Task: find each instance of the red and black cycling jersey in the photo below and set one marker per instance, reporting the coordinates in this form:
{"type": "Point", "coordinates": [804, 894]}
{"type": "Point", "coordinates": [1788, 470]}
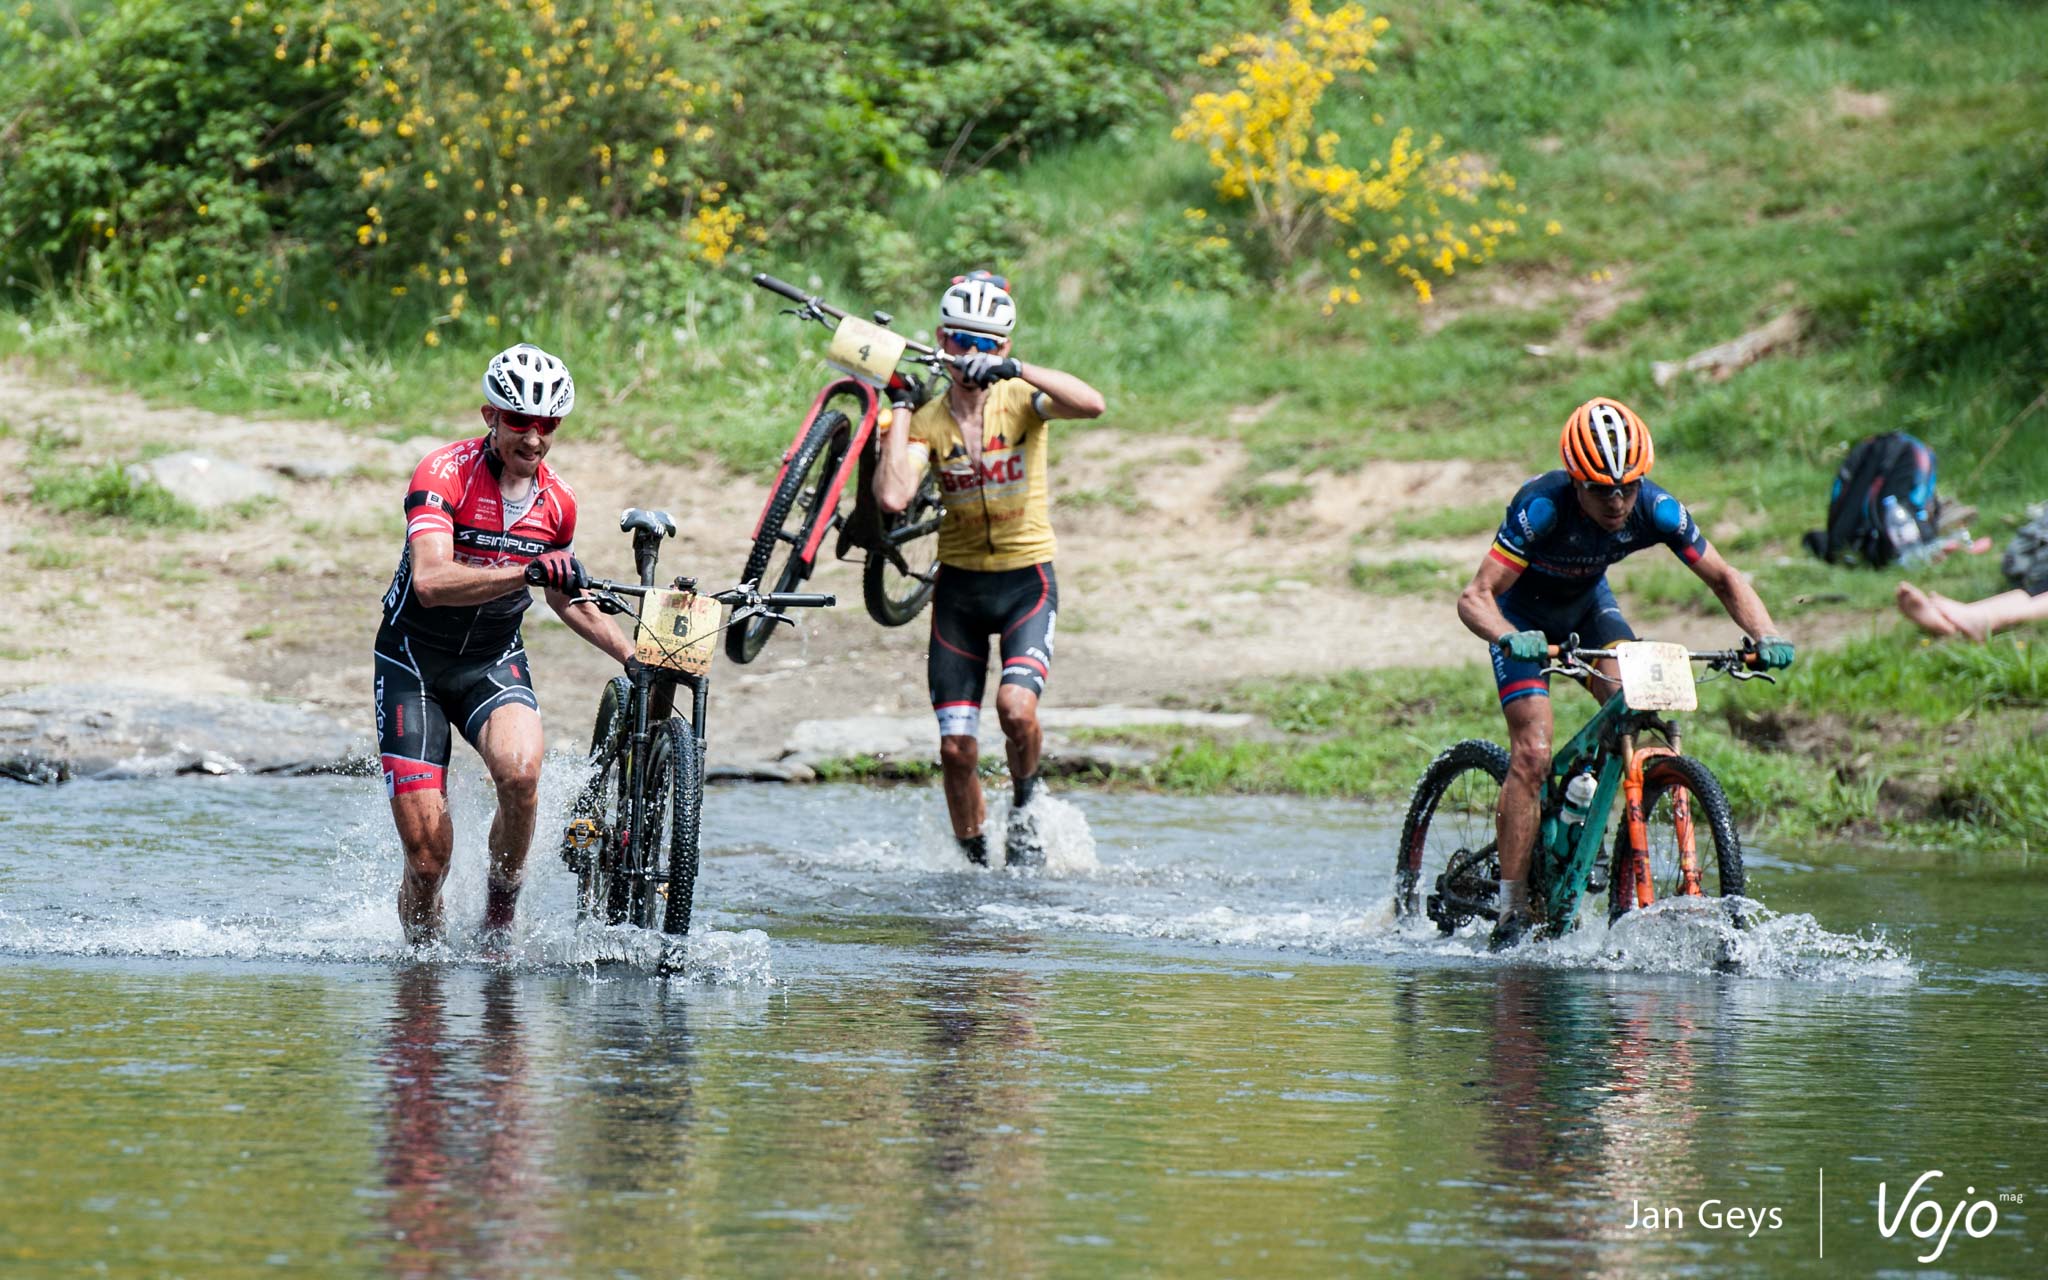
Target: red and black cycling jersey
{"type": "Point", "coordinates": [455, 491]}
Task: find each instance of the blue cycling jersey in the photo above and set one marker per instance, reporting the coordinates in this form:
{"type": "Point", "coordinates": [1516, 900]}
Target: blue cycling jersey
{"type": "Point", "coordinates": [1562, 554]}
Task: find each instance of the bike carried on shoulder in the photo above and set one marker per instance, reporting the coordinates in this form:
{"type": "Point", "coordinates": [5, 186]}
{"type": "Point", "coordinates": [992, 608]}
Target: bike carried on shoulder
{"type": "Point", "coordinates": [1447, 868]}
{"type": "Point", "coordinates": [633, 828]}
{"type": "Point", "coordinates": [836, 442]}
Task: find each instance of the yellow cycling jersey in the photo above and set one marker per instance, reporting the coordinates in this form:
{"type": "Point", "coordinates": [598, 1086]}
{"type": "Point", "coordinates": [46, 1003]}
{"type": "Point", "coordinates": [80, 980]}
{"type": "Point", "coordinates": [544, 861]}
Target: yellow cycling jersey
{"type": "Point", "coordinates": [996, 512]}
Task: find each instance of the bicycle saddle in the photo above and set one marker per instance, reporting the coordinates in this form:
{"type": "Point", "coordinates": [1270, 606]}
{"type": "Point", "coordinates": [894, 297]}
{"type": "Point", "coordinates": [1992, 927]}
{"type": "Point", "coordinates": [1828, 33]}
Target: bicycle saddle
{"type": "Point", "coordinates": [658, 523]}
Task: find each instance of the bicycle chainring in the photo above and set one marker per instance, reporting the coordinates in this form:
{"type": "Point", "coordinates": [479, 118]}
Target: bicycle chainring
{"type": "Point", "coordinates": [1469, 884]}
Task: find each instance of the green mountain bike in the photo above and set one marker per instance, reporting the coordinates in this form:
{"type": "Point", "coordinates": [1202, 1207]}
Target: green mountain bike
{"type": "Point", "coordinates": [1447, 868]}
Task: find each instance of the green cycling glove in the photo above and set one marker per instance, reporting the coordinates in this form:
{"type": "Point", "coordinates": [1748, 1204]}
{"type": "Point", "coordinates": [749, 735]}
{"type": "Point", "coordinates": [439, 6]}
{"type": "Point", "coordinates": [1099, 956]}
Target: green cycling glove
{"type": "Point", "coordinates": [1531, 646]}
{"type": "Point", "coordinates": [1775, 652]}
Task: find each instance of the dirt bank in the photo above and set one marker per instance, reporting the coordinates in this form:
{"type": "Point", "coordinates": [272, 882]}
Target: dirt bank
{"type": "Point", "coordinates": [1172, 587]}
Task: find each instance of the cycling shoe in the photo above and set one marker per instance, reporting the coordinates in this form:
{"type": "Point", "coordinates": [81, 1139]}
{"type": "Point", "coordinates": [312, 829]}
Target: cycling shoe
{"type": "Point", "coordinates": [1023, 843]}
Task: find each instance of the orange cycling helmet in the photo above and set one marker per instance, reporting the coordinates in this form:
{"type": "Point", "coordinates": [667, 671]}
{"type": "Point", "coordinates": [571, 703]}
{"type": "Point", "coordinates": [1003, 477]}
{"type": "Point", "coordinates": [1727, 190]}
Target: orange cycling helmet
{"type": "Point", "coordinates": [1604, 442]}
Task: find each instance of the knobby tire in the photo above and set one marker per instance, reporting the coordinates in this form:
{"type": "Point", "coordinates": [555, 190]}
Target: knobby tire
{"type": "Point", "coordinates": [600, 800]}
{"type": "Point", "coordinates": [1413, 884]}
{"type": "Point", "coordinates": [643, 900]}
{"type": "Point", "coordinates": [1712, 822]}
{"type": "Point", "coordinates": [678, 864]}
{"type": "Point", "coordinates": [827, 440]}
{"type": "Point", "coordinates": [922, 556]}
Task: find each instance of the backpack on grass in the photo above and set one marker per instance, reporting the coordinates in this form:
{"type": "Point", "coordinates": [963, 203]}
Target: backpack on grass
{"type": "Point", "coordinates": [2026, 557]}
{"type": "Point", "coordinates": [1882, 504]}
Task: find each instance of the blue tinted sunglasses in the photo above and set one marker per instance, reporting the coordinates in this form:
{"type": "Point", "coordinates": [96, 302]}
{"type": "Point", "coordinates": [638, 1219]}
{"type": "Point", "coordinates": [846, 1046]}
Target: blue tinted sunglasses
{"type": "Point", "coordinates": [962, 341]}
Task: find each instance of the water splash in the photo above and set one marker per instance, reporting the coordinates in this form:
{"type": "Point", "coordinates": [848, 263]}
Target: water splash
{"type": "Point", "coordinates": [1695, 935]}
{"type": "Point", "coordinates": [1069, 844]}
{"type": "Point", "coordinates": [244, 869]}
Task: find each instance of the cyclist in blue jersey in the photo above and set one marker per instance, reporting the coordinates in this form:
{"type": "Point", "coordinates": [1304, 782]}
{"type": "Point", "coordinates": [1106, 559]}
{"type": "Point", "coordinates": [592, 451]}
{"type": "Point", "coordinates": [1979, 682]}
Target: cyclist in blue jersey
{"type": "Point", "coordinates": [1545, 579]}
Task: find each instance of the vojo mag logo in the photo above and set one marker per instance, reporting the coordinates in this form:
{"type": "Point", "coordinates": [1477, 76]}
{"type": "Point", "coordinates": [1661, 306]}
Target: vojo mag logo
{"type": "Point", "coordinates": [1921, 1215]}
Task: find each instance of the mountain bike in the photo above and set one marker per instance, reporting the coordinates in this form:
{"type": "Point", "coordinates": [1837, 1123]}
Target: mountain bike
{"type": "Point", "coordinates": [633, 828]}
{"type": "Point", "coordinates": [1447, 868]}
{"type": "Point", "coordinates": [835, 442]}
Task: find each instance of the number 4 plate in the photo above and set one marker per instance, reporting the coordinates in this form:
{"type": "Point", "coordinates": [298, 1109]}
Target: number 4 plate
{"type": "Point", "coordinates": [867, 351]}
{"type": "Point", "coordinates": [1656, 677]}
{"type": "Point", "coordinates": [677, 630]}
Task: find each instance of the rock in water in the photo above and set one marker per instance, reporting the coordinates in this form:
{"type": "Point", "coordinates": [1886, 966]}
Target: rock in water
{"type": "Point", "coordinates": [60, 732]}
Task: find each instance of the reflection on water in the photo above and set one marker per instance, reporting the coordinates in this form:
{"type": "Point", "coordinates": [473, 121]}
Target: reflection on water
{"type": "Point", "coordinates": [1204, 1053]}
{"type": "Point", "coordinates": [464, 1162]}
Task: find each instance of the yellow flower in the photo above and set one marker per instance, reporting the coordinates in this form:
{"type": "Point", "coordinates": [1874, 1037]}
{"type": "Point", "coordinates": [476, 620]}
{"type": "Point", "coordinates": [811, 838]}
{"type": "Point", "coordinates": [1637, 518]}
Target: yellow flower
{"type": "Point", "coordinates": [432, 338]}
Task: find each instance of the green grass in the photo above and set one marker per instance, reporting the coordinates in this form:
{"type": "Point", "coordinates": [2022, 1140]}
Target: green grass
{"type": "Point", "coordinates": [43, 555]}
{"type": "Point", "coordinates": [868, 768]}
{"type": "Point", "coordinates": [1922, 743]}
{"type": "Point", "coordinates": [1450, 522]}
{"type": "Point", "coordinates": [1704, 181]}
{"type": "Point", "coordinates": [1422, 576]}
{"type": "Point", "coordinates": [1701, 161]}
{"type": "Point", "coordinates": [108, 490]}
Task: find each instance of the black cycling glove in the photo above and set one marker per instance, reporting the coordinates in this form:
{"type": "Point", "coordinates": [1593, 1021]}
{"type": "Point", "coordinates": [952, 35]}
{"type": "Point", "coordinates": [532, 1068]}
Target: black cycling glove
{"type": "Point", "coordinates": [982, 370]}
{"type": "Point", "coordinates": [558, 571]}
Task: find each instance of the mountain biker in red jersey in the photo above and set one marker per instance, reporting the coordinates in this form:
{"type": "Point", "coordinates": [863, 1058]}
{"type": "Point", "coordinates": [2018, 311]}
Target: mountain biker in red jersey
{"type": "Point", "coordinates": [484, 518]}
{"type": "Point", "coordinates": [1546, 579]}
{"type": "Point", "coordinates": [986, 436]}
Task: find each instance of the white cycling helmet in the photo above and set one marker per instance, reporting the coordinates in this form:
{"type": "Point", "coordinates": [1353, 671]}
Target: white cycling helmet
{"type": "Point", "coordinates": [525, 379]}
{"type": "Point", "coordinates": [978, 302]}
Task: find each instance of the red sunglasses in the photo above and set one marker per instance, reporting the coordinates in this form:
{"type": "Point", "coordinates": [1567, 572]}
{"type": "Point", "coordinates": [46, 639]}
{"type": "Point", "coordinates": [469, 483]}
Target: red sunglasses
{"type": "Point", "coordinates": [525, 422]}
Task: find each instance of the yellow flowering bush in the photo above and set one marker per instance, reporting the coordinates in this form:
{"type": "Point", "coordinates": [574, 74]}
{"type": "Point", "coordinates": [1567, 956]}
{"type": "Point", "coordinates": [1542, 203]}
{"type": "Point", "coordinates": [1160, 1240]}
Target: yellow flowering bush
{"type": "Point", "coordinates": [1413, 209]}
{"type": "Point", "coordinates": [496, 139]}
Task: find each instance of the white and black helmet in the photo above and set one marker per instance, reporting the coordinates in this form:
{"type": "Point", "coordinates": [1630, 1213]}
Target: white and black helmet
{"type": "Point", "coordinates": [525, 379]}
{"type": "Point", "coordinates": [978, 302]}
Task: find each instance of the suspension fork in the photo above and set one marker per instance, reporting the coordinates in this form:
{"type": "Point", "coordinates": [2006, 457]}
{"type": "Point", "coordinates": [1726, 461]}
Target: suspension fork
{"type": "Point", "coordinates": [1639, 827]}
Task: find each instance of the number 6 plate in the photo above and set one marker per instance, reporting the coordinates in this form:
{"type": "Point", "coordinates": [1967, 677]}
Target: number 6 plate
{"type": "Point", "coordinates": [867, 351]}
{"type": "Point", "coordinates": [676, 632]}
{"type": "Point", "coordinates": [1656, 677]}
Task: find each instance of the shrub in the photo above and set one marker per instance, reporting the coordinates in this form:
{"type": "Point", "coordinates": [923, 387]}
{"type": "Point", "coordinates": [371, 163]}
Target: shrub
{"type": "Point", "coordinates": [166, 140]}
{"type": "Point", "coordinates": [243, 156]}
{"type": "Point", "coordinates": [1262, 138]}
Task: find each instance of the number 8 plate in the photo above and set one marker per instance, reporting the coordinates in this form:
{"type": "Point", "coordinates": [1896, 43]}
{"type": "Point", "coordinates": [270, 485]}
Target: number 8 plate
{"type": "Point", "coordinates": [1656, 677]}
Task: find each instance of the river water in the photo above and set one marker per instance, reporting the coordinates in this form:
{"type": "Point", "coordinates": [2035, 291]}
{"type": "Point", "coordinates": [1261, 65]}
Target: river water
{"type": "Point", "coordinates": [1195, 1044]}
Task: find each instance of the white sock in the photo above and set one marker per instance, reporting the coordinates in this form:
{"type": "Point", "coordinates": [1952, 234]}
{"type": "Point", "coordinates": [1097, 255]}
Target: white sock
{"type": "Point", "coordinates": [1514, 897]}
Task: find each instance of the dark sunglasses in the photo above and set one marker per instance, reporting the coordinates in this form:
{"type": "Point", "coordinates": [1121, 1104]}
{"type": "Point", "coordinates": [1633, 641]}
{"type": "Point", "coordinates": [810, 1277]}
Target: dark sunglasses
{"type": "Point", "coordinates": [1610, 492]}
{"type": "Point", "coordinates": [525, 422]}
{"type": "Point", "coordinates": [961, 341]}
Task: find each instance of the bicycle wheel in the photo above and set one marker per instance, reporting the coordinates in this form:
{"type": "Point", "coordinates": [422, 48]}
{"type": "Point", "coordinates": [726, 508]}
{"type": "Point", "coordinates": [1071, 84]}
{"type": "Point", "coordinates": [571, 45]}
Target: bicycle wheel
{"type": "Point", "coordinates": [1447, 868]}
{"type": "Point", "coordinates": [803, 498]}
{"type": "Point", "coordinates": [895, 595]}
{"type": "Point", "coordinates": [1681, 799]}
{"type": "Point", "coordinates": [676, 857]}
{"type": "Point", "coordinates": [644, 844]}
{"type": "Point", "coordinates": [589, 848]}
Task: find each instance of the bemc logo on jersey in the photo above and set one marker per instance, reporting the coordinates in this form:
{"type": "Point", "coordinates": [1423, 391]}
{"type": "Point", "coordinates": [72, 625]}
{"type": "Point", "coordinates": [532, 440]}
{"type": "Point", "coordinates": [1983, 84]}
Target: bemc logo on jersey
{"type": "Point", "coordinates": [992, 471]}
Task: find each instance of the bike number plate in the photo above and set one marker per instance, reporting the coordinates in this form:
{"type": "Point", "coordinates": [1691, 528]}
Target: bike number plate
{"type": "Point", "coordinates": [867, 351]}
{"type": "Point", "coordinates": [677, 631]}
{"type": "Point", "coordinates": [1656, 677]}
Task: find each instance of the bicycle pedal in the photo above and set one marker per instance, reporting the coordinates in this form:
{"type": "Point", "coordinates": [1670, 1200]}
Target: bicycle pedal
{"type": "Point", "coordinates": [582, 834]}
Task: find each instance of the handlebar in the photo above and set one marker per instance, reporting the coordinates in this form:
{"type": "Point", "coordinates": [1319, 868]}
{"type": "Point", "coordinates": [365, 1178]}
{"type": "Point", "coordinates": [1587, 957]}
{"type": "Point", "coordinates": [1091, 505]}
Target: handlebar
{"type": "Point", "coordinates": [745, 594]}
{"type": "Point", "coordinates": [786, 289]}
{"type": "Point", "coordinates": [809, 306]}
{"type": "Point", "coordinates": [1743, 664]}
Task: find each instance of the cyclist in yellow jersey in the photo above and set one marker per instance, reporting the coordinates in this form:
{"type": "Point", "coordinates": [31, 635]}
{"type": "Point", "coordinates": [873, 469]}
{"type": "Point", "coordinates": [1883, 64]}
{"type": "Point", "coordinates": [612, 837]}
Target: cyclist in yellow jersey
{"type": "Point", "coordinates": [986, 439]}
